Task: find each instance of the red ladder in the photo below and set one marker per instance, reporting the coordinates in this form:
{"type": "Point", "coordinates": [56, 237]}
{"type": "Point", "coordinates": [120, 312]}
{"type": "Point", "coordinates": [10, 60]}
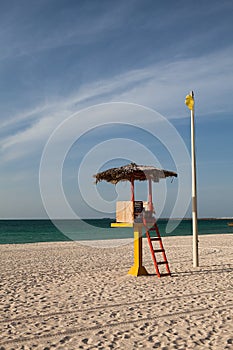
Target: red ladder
{"type": "Point", "coordinates": [154, 230]}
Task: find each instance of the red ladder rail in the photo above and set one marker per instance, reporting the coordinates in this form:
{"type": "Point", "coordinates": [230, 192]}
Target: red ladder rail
{"type": "Point", "coordinates": [154, 228]}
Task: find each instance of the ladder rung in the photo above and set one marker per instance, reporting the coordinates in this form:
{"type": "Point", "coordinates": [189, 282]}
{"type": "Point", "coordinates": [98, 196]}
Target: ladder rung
{"type": "Point", "coordinates": [159, 250]}
{"type": "Point", "coordinates": [154, 232]}
{"type": "Point", "coordinates": [165, 274]}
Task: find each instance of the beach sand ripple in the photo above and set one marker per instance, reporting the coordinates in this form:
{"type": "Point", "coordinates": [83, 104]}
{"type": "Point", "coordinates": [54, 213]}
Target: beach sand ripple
{"type": "Point", "coordinates": [72, 296]}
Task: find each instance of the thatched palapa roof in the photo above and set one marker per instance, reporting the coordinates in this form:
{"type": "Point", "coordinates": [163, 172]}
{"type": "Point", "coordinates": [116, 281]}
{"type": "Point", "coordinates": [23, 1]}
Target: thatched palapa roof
{"type": "Point", "coordinates": [133, 171]}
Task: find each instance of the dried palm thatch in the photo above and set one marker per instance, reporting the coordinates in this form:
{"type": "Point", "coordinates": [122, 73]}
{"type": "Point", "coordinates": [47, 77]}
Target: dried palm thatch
{"type": "Point", "coordinates": [133, 171]}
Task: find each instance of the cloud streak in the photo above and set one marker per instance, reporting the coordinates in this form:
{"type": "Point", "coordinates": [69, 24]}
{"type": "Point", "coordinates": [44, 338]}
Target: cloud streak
{"type": "Point", "coordinates": [162, 87]}
{"type": "Point", "coordinates": [82, 25]}
{"type": "Point", "coordinates": [56, 60]}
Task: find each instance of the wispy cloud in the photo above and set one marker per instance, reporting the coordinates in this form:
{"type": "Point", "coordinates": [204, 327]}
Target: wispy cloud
{"type": "Point", "coordinates": [57, 59]}
{"type": "Point", "coordinates": [22, 33]}
{"type": "Point", "coordinates": [162, 87]}
{"type": "Point", "coordinates": [208, 76]}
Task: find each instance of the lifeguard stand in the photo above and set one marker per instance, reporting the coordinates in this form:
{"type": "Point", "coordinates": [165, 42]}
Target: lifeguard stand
{"type": "Point", "coordinates": [139, 214]}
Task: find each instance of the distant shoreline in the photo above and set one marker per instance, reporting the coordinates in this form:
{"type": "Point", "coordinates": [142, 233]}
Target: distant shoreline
{"type": "Point", "coordinates": [112, 219]}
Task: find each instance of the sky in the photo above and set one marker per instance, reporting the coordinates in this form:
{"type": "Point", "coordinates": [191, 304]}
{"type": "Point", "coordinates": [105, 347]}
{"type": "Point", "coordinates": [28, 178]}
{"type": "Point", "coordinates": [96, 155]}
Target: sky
{"type": "Point", "coordinates": [88, 85]}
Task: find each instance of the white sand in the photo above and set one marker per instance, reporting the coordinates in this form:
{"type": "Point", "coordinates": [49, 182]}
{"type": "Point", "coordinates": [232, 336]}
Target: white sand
{"type": "Point", "coordinates": [70, 296]}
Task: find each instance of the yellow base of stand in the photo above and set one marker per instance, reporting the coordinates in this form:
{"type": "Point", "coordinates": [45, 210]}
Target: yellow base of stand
{"type": "Point", "coordinates": [138, 271]}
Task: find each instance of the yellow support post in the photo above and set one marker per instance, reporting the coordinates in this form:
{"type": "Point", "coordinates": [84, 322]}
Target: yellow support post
{"type": "Point", "coordinates": [138, 269]}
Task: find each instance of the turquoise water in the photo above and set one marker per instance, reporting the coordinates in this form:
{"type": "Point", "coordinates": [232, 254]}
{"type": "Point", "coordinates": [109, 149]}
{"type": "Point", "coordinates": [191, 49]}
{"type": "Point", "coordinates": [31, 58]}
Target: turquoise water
{"type": "Point", "coordinates": [30, 231]}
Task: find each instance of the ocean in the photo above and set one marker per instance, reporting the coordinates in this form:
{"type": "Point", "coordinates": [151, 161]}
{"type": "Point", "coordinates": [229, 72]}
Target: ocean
{"type": "Point", "coordinates": [31, 231]}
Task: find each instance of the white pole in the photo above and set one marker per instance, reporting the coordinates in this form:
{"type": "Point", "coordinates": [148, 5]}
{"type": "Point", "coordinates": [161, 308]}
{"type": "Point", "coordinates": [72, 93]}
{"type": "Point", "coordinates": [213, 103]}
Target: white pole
{"type": "Point", "coordinates": [194, 191]}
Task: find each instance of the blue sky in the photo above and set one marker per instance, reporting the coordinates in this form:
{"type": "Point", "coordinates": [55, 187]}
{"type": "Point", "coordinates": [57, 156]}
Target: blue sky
{"type": "Point", "coordinates": [60, 57]}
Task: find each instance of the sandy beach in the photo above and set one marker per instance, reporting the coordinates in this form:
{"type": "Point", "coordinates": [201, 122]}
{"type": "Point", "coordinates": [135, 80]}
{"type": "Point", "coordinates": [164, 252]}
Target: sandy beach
{"type": "Point", "coordinates": [73, 296]}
